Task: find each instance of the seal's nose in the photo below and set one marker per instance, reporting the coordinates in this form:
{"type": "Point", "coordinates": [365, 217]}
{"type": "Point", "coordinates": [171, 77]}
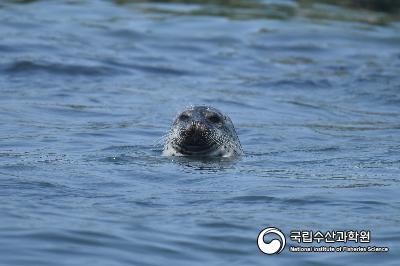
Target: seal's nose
{"type": "Point", "coordinates": [194, 130]}
{"type": "Point", "coordinates": [194, 127]}
{"type": "Point", "coordinates": [194, 134]}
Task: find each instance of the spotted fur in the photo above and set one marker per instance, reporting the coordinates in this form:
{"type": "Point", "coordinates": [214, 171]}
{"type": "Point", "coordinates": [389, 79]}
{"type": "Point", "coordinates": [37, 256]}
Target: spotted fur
{"type": "Point", "coordinates": [202, 131]}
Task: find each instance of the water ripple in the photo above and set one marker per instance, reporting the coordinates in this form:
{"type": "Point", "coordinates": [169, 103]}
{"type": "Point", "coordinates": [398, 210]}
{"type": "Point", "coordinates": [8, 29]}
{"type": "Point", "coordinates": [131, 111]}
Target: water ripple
{"type": "Point", "coordinates": [26, 66]}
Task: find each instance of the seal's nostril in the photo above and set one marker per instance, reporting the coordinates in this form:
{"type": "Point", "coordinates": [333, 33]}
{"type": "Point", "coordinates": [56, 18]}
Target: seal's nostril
{"type": "Point", "coordinates": [193, 125]}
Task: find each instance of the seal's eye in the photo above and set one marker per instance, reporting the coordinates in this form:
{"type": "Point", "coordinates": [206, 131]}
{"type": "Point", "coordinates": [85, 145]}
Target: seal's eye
{"type": "Point", "coordinates": [214, 118]}
{"type": "Point", "coordinates": [184, 117]}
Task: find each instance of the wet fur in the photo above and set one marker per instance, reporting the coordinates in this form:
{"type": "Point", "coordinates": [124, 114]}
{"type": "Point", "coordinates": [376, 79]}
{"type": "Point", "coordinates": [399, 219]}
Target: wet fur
{"type": "Point", "coordinates": [220, 140]}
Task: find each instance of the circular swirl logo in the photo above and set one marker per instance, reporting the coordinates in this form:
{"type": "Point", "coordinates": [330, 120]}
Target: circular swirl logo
{"type": "Point", "coordinates": [273, 247]}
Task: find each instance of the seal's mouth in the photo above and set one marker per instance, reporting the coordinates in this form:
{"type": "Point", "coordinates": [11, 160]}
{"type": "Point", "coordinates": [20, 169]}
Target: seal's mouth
{"type": "Point", "coordinates": [195, 140]}
{"type": "Point", "coordinates": [199, 150]}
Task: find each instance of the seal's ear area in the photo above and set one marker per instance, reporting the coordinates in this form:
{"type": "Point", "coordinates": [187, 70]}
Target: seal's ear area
{"type": "Point", "coordinates": [227, 120]}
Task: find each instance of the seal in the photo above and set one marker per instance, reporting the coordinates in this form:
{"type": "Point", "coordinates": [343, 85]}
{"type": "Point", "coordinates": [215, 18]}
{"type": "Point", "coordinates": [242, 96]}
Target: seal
{"type": "Point", "coordinates": [202, 131]}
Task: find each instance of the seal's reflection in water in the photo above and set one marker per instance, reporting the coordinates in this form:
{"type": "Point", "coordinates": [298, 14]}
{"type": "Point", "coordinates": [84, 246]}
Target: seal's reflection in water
{"type": "Point", "coordinates": [205, 165]}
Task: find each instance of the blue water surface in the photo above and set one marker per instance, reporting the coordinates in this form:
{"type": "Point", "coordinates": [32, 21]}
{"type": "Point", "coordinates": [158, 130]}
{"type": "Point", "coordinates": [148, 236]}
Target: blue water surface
{"type": "Point", "coordinates": [89, 88]}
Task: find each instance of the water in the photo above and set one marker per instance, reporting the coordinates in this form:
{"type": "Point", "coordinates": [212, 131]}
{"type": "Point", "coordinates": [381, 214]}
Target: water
{"type": "Point", "coordinates": [88, 88]}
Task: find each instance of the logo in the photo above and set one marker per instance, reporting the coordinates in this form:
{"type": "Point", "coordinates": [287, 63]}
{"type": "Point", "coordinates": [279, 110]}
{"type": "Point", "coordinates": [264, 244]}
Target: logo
{"type": "Point", "coordinates": [273, 247]}
{"type": "Point", "coordinates": [353, 241]}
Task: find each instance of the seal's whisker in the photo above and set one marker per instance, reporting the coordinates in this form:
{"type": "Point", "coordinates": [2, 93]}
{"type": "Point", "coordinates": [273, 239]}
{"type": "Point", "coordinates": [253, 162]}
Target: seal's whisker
{"type": "Point", "coordinates": [161, 140]}
{"type": "Point", "coordinates": [227, 142]}
{"type": "Point", "coordinates": [202, 131]}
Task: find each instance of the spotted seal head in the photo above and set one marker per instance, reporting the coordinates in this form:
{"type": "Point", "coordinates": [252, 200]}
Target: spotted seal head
{"type": "Point", "coordinates": [202, 131]}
